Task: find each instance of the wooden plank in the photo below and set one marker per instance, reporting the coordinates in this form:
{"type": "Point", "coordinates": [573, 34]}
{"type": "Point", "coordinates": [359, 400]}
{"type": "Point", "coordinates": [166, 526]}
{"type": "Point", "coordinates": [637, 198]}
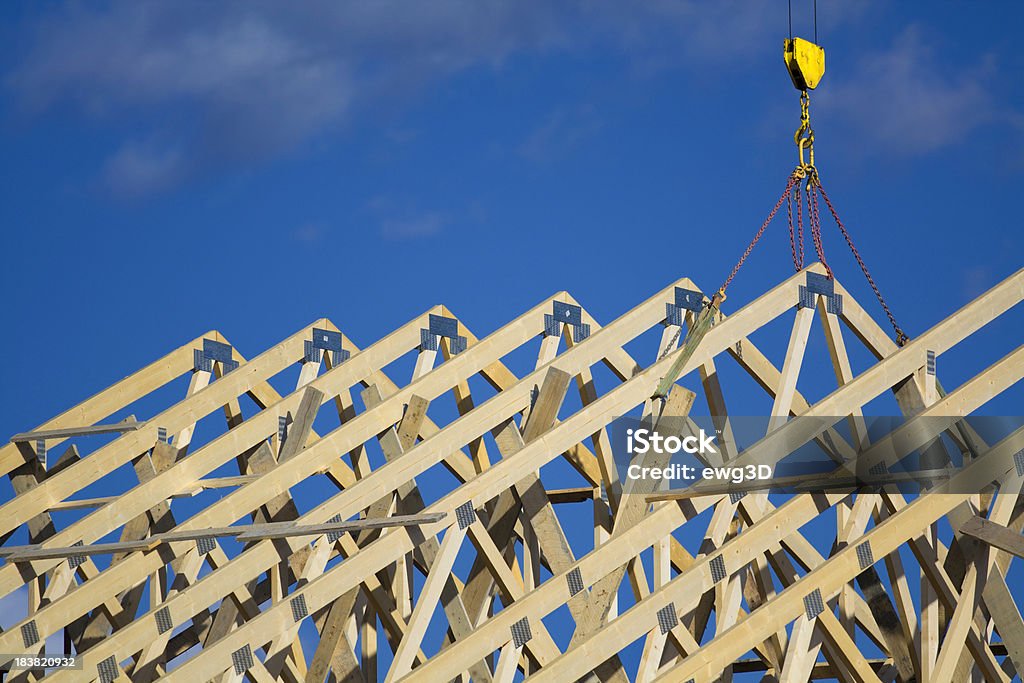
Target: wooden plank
{"type": "Point", "coordinates": [634, 506]}
{"type": "Point", "coordinates": [549, 400]}
{"type": "Point", "coordinates": [845, 650]}
{"type": "Point", "coordinates": [68, 432]}
{"type": "Point", "coordinates": [956, 631]}
{"type": "Point", "coordinates": [115, 397]}
{"type": "Point", "coordinates": [301, 428]}
{"type": "Point", "coordinates": [841, 367]}
{"type": "Point", "coordinates": [650, 309]}
{"type": "Point", "coordinates": [430, 594]}
{"type": "Point", "coordinates": [334, 650]}
{"type": "Point", "coordinates": [505, 670]}
{"type": "Point", "coordinates": [242, 532]}
{"type": "Point", "coordinates": [580, 494]}
{"type": "Point", "coordinates": [801, 653]}
{"type": "Point", "coordinates": [555, 443]}
{"type": "Point", "coordinates": [1007, 619]}
{"type": "Point", "coordinates": [365, 562]}
{"type": "Point", "coordinates": [791, 367]}
{"type": "Point", "coordinates": [29, 553]}
{"type": "Point", "coordinates": [995, 535]}
{"type": "Point", "coordinates": [290, 530]}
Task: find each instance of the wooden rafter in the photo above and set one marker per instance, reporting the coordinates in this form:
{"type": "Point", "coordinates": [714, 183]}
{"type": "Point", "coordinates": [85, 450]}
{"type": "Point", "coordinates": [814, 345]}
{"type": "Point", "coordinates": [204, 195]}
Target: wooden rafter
{"type": "Point", "coordinates": [241, 575]}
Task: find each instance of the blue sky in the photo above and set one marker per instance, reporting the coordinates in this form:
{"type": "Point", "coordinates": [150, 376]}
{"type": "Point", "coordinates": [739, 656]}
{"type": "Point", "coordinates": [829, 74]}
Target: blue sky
{"type": "Point", "coordinates": [177, 167]}
{"type": "Point", "coordinates": [172, 168]}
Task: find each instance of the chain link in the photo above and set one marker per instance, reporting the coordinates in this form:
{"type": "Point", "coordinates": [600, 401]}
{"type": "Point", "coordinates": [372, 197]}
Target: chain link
{"type": "Point", "coordinates": [806, 174]}
{"type": "Point", "coordinates": [815, 217]}
{"type": "Point", "coordinates": [792, 236]}
{"type": "Point", "coordinates": [901, 337]}
{"type": "Point", "coordinates": [757, 236]}
{"type": "Point", "coordinates": [804, 139]}
{"type": "Point", "coordinates": [670, 347]}
{"type": "Point", "coordinates": [800, 223]}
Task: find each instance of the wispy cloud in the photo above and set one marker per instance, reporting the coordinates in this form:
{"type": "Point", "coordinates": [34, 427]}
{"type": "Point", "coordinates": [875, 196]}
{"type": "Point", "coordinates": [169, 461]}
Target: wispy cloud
{"type": "Point", "coordinates": [413, 226]}
{"type": "Point", "coordinates": [309, 233]}
{"type": "Point", "coordinates": [225, 85]}
{"type": "Point", "coordinates": [140, 169]}
{"type": "Point", "coordinates": [398, 219]}
{"type": "Point", "coordinates": [563, 130]}
{"type": "Point", "coordinates": [237, 82]}
{"type": "Point", "coordinates": [904, 102]}
{"type": "Point", "coordinates": [976, 280]}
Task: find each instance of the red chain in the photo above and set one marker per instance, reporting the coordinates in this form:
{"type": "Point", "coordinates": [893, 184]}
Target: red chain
{"type": "Point", "coordinates": [797, 260]}
{"type": "Point", "coordinates": [815, 216]}
{"type": "Point", "coordinates": [785, 193]}
{"type": "Point", "coordinates": [800, 227]}
{"type": "Point", "coordinates": [797, 238]}
{"type": "Point", "coordinates": [901, 337]}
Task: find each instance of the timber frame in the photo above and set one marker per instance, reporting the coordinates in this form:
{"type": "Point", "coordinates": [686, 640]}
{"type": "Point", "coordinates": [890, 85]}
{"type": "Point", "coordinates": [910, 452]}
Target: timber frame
{"type": "Point", "coordinates": [224, 593]}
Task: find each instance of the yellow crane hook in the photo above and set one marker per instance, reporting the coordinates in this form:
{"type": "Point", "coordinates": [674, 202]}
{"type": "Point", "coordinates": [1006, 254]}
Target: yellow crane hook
{"type": "Point", "coordinates": [805, 61]}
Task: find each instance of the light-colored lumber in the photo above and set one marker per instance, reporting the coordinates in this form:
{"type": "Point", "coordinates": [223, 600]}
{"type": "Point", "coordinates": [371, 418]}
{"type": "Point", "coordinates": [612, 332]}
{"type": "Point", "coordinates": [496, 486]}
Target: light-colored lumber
{"type": "Point", "coordinates": [995, 535]}
{"type": "Point", "coordinates": [243, 532]}
{"type": "Point", "coordinates": [249, 565]}
{"type": "Point", "coordinates": [68, 432]}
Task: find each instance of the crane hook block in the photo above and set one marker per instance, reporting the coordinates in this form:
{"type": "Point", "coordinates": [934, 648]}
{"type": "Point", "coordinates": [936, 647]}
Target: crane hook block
{"type": "Point", "coordinates": [805, 61]}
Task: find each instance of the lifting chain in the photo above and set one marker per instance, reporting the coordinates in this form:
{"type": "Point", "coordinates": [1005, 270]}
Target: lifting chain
{"type": "Point", "coordinates": [803, 189]}
{"type": "Point", "coordinates": [901, 336]}
{"type": "Point", "coordinates": [804, 139]}
{"type": "Point", "coordinates": [808, 198]}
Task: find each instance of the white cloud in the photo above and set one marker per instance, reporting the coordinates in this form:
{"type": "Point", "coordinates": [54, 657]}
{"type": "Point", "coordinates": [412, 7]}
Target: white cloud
{"type": "Point", "coordinates": [904, 102]}
{"type": "Point", "coordinates": [309, 233]}
{"type": "Point", "coordinates": [399, 219]}
{"type": "Point", "coordinates": [563, 130]}
{"type": "Point", "coordinates": [413, 226]}
{"type": "Point", "coordinates": [231, 83]}
{"type": "Point", "coordinates": [228, 84]}
{"type": "Point", "coordinates": [138, 169]}
{"type": "Point", "coordinates": [976, 280]}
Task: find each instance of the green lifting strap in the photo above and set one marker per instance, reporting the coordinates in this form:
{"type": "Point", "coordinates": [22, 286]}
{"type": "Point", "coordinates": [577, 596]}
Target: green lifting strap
{"type": "Point", "coordinates": [705, 321]}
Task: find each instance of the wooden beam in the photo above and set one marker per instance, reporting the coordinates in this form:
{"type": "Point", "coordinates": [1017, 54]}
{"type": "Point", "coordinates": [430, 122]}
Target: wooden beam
{"type": "Point", "coordinates": [995, 535]}
{"type": "Point", "coordinates": [116, 397]}
{"type": "Point", "coordinates": [634, 506]}
{"type": "Point", "coordinates": [1004, 613]}
{"type": "Point", "coordinates": [956, 631]}
{"type": "Point", "coordinates": [365, 573]}
{"type": "Point", "coordinates": [791, 367]}
{"type": "Point", "coordinates": [69, 432]}
{"type": "Point", "coordinates": [242, 532]}
{"type": "Point", "coordinates": [430, 594]}
{"type": "Point", "coordinates": [580, 494]}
